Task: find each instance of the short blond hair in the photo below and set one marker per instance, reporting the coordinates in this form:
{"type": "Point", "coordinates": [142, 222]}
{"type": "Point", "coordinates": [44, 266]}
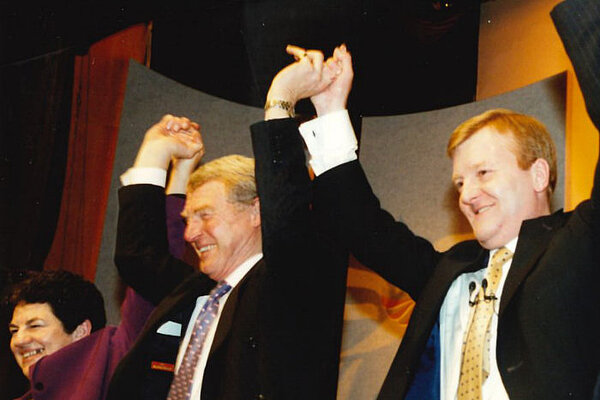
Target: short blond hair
{"type": "Point", "coordinates": [531, 138]}
{"type": "Point", "coordinates": [235, 171]}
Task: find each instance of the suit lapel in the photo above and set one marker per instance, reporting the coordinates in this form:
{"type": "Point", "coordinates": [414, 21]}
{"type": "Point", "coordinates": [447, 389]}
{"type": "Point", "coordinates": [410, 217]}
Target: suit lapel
{"type": "Point", "coordinates": [465, 257]}
{"type": "Point", "coordinates": [226, 318]}
{"type": "Point", "coordinates": [183, 297]}
{"type": "Point", "coordinates": [534, 238]}
{"type": "Point", "coordinates": [468, 259]}
{"type": "Point", "coordinates": [471, 257]}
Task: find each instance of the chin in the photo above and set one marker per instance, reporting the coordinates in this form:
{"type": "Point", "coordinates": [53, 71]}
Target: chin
{"type": "Point", "coordinates": [486, 241]}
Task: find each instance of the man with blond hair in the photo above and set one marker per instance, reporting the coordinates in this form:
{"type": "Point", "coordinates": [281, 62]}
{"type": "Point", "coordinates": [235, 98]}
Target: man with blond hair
{"type": "Point", "coordinates": [515, 313]}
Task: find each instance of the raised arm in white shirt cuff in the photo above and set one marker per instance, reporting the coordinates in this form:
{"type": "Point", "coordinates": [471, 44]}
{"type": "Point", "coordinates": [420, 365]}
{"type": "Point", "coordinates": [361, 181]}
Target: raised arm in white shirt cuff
{"type": "Point", "coordinates": [330, 140]}
{"type": "Point", "coordinates": [144, 175]}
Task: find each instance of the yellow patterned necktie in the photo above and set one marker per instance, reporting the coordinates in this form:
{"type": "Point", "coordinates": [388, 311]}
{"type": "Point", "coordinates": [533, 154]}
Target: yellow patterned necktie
{"type": "Point", "coordinates": [474, 367]}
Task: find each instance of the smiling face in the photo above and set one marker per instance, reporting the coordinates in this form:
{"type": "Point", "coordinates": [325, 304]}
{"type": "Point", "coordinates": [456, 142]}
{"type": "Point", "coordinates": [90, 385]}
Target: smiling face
{"type": "Point", "coordinates": [223, 233]}
{"type": "Point", "coordinates": [495, 194]}
{"type": "Point", "coordinates": [36, 332]}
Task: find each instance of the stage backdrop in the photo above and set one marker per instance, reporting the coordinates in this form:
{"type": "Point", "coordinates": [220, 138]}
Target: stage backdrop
{"type": "Point", "coordinates": [149, 95]}
{"type": "Point", "coordinates": [404, 157]}
{"type": "Point", "coordinates": [405, 160]}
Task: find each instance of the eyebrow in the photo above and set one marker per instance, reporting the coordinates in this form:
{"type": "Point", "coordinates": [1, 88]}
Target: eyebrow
{"type": "Point", "coordinates": [185, 213]}
{"type": "Point", "coordinates": [29, 321]}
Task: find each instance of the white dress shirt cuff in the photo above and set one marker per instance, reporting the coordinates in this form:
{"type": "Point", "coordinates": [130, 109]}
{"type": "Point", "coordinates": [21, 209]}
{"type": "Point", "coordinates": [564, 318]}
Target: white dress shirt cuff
{"type": "Point", "coordinates": [144, 175]}
{"type": "Point", "coordinates": [330, 140]}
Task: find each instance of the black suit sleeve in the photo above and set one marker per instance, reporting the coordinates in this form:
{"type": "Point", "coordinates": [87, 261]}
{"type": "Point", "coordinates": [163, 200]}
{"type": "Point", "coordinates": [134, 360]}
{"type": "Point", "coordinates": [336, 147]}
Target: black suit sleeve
{"type": "Point", "coordinates": [305, 280]}
{"type": "Point", "coordinates": [283, 186]}
{"type": "Point", "coordinates": [346, 205]}
{"type": "Point", "coordinates": [578, 24]}
{"type": "Point", "coordinates": [292, 242]}
{"type": "Point", "coordinates": [142, 251]}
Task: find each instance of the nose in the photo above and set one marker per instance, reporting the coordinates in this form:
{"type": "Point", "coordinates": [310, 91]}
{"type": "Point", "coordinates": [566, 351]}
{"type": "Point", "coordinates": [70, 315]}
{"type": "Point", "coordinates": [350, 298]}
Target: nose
{"type": "Point", "coordinates": [193, 230]}
{"type": "Point", "coordinates": [469, 192]}
{"type": "Point", "coordinates": [19, 338]}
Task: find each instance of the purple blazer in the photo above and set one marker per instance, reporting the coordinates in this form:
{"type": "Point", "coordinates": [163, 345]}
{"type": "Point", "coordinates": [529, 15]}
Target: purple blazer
{"type": "Point", "coordinates": [82, 370]}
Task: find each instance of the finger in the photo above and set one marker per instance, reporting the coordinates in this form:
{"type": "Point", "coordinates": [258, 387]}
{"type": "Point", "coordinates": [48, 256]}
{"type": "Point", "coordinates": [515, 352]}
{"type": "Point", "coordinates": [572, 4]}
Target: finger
{"type": "Point", "coordinates": [190, 133]}
{"type": "Point", "coordinates": [192, 145]}
{"type": "Point", "coordinates": [342, 54]}
{"type": "Point", "coordinates": [195, 136]}
{"type": "Point", "coordinates": [316, 58]}
{"type": "Point", "coordinates": [184, 123]}
{"type": "Point", "coordinates": [187, 140]}
{"type": "Point", "coordinates": [296, 51]}
{"type": "Point", "coordinates": [333, 67]}
{"type": "Point", "coordinates": [165, 118]}
{"type": "Point", "coordinates": [180, 124]}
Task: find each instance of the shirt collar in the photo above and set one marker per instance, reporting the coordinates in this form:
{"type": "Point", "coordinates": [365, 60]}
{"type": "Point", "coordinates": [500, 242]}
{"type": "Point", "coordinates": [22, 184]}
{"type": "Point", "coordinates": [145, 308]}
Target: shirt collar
{"type": "Point", "coordinates": [238, 274]}
{"type": "Point", "coordinates": [511, 245]}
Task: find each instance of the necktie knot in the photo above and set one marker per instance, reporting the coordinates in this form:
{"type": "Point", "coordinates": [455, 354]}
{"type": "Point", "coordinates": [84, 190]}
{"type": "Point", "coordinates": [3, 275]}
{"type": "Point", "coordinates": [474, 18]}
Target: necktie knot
{"type": "Point", "coordinates": [219, 290]}
{"type": "Point", "coordinates": [494, 271]}
{"type": "Point", "coordinates": [502, 256]}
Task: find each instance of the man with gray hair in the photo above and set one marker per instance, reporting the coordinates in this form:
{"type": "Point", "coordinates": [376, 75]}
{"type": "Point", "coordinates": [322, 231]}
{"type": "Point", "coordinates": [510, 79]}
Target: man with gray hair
{"type": "Point", "coordinates": [262, 319]}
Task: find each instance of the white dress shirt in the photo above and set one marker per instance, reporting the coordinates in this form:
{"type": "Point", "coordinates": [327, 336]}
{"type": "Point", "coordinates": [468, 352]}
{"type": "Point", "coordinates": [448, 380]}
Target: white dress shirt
{"type": "Point", "coordinates": [157, 177]}
{"type": "Point", "coordinates": [233, 279]}
{"type": "Point", "coordinates": [455, 315]}
{"type": "Point", "coordinates": [331, 142]}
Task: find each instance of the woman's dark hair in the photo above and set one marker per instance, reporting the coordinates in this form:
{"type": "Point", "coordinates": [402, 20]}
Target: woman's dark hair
{"type": "Point", "coordinates": [72, 298]}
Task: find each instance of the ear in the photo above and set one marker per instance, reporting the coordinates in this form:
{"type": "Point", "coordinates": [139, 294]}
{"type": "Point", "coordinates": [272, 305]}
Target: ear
{"type": "Point", "coordinates": [255, 213]}
{"type": "Point", "coordinates": [540, 174]}
{"type": "Point", "coordinates": [84, 329]}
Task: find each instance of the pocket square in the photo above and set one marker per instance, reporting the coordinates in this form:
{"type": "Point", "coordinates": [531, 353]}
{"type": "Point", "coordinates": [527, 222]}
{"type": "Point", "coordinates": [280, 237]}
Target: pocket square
{"type": "Point", "coordinates": [170, 328]}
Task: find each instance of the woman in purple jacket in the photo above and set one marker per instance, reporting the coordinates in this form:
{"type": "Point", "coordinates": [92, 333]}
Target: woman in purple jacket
{"type": "Point", "coordinates": [59, 336]}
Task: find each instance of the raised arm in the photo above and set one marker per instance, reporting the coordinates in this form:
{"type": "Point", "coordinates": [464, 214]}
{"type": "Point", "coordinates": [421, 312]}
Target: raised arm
{"type": "Point", "coordinates": [578, 25]}
{"type": "Point", "coordinates": [142, 250]}
{"type": "Point", "coordinates": [282, 178]}
{"type": "Point", "coordinates": [344, 205]}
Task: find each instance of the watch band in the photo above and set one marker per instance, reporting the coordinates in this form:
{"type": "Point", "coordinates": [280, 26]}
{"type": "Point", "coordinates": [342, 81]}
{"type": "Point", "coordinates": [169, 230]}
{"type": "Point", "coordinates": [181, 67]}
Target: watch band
{"type": "Point", "coordinates": [283, 104]}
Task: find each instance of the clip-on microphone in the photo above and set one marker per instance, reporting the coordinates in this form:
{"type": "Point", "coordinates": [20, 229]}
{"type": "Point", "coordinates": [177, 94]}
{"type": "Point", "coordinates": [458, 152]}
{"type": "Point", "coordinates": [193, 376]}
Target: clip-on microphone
{"type": "Point", "coordinates": [484, 284]}
{"type": "Point", "coordinates": [473, 300]}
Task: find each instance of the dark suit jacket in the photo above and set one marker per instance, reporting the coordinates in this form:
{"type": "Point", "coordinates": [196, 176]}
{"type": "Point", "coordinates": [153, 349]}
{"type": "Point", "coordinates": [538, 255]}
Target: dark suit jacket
{"type": "Point", "coordinates": [280, 331]}
{"type": "Point", "coordinates": [549, 319]}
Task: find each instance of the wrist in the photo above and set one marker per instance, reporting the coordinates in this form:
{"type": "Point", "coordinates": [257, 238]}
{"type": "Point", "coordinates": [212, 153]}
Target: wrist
{"type": "Point", "coordinates": [324, 109]}
{"type": "Point", "coordinates": [279, 108]}
{"type": "Point", "coordinates": [152, 155]}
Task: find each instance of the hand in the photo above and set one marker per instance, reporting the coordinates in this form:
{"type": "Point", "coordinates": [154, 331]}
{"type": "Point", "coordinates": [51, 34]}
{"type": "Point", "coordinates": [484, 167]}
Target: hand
{"type": "Point", "coordinates": [335, 96]}
{"type": "Point", "coordinates": [171, 137]}
{"type": "Point", "coordinates": [307, 76]}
